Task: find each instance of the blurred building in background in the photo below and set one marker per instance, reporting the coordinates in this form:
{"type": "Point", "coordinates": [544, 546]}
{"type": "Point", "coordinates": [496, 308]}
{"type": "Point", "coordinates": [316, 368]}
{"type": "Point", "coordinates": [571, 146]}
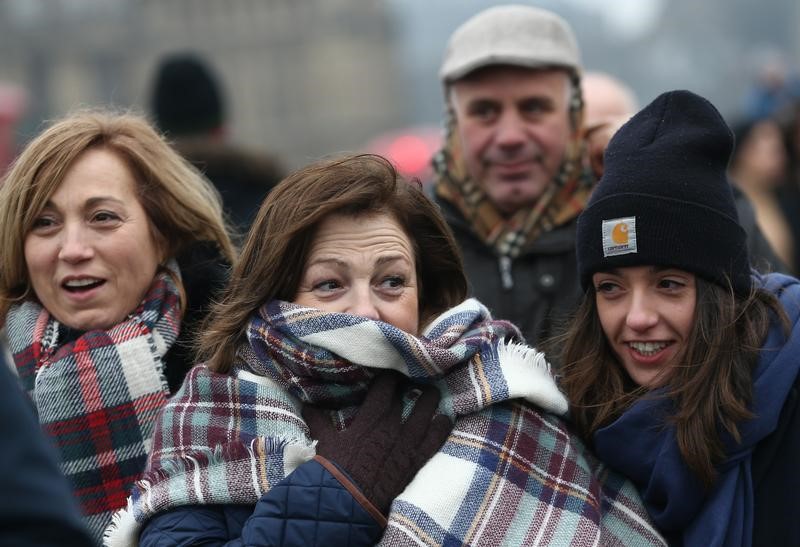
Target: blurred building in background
{"type": "Point", "coordinates": [312, 77]}
{"type": "Point", "coordinates": [303, 78]}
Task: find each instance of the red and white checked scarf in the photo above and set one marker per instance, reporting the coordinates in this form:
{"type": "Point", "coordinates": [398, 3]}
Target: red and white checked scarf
{"type": "Point", "coordinates": [97, 396]}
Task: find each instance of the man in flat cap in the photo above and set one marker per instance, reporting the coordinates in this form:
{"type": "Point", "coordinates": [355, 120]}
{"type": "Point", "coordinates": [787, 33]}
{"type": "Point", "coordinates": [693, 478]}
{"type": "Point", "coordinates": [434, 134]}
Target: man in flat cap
{"type": "Point", "coordinates": [510, 178]}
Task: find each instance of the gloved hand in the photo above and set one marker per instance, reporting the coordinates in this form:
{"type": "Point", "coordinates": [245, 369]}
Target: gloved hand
{"type": "Point", "coordinates": [379, 451]}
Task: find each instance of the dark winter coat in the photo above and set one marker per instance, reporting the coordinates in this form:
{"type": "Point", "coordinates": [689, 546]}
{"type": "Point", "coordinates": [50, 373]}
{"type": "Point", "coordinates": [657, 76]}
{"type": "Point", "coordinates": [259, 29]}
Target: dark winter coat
{"type": "Point", "coordinates": [537, 291]}
{"type": "Point", "coordinates": [243, 178]}
{"type": "Point", "coordinates": [37, 508]}
{"type": "Point", "coordinates": [762, 257]}
{"type": "Point", "coordinates": [777, 479]}
{"type": "Point", "coordinates": [322, 510]}
{"type": "Point", "coordinates": [204, 272]}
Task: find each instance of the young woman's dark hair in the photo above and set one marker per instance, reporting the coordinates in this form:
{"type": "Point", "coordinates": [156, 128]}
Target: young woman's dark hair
{"type": "Point", "coordinates": [712, 385]}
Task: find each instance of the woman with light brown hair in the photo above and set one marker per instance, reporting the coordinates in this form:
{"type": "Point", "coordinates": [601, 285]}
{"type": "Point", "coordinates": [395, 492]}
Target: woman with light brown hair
{"type": "Point", "coordinates": [109, 239]}
{"type": "Point", "coordinates": [346, 321]}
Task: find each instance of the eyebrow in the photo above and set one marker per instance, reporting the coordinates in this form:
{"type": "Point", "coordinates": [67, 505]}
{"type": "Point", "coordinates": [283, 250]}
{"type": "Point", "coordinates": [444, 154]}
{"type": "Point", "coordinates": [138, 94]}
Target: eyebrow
{"type": "Point", "coordinates": [392, 258]}
{"type": "Point", "coordinates": [341, 263]}
{"type": "Point", "coordinates": [91, 202]}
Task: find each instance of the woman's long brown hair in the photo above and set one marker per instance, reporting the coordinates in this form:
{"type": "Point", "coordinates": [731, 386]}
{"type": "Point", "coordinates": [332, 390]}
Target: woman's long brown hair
{"type": "Point", "coordinates": [712, 387]}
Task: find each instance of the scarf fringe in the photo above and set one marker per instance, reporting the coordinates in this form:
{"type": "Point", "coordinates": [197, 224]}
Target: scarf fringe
{"type": "Point", "coordinates": [123, 530]}
{"type": "Point", "coordinates": [529, 375]}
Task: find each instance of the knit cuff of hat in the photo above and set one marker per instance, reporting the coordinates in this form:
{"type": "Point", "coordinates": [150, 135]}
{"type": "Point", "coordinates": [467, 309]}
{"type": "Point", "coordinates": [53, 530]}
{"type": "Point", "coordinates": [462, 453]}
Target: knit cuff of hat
{"type": "Point", "coordinates": [668, 232]}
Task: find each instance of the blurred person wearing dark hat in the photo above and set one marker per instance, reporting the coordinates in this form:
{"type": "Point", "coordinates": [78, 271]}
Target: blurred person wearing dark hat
{"type": "Point", "coordinates": [681, 363]}
{"type": "Point", "coordinates": [510, 178]}
{"type": "Point", "coordinates": [189, 106]}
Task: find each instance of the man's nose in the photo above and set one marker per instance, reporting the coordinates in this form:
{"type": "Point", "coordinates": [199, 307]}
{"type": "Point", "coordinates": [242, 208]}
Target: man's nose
{"type": "Point", "coordinates": [510, 130]}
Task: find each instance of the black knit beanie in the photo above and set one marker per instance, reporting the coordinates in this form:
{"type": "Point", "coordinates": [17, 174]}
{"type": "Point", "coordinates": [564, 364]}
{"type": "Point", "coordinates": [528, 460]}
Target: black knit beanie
{"type": "Point", "coordinates": [664, 198]}
{"type": "Point", "coordinates": [186, 96]}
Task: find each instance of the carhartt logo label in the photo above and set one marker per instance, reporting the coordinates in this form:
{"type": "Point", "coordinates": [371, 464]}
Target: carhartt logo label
{"type": "Point", "coordinates": [619, 236]}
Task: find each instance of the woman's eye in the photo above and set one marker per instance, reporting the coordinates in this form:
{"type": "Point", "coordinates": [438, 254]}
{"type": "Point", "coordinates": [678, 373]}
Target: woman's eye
{"type": "Point", "coordinates": [671, 284]}
{"type": "Point", "coordinates": [394, 282]}
{"type": "Point", "coordinates": [105, 216]}
{"type": "Point", "coordinates": [327, 285]}
{"type": "Point", "coordinates": [606, 287]}
{"type": "Point", "coordinates": [43, 223]}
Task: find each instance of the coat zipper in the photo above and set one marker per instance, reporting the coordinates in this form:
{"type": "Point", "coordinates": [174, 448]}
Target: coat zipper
{"type": "Point", "coordinates": [505, 273]}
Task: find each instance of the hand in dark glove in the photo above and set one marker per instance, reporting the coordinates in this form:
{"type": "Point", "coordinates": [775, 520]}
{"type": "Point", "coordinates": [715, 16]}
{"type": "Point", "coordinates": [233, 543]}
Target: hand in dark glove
{"type": "Point", "coordinates": [379, 451]}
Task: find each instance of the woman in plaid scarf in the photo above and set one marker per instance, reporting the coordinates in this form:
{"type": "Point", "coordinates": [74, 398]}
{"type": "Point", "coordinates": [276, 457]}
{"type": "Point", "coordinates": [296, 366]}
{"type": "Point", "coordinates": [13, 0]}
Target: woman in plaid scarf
{"type": "Point", "coordinates": [349, 272]}
{"type": "Point", "coordinates": [99, 221]}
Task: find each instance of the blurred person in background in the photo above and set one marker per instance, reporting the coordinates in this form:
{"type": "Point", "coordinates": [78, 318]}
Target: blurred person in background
{"type": "Point", "coordinates": [510, 178]}
{"type": "Point", "coordinates": [189, 106]}
{"type": "Point", "coordinates": [775, 85]}
{"type": "Point", "coordinates": [349, 271]}
{"type": "Point", "coordinates": [608, 102]}
{"type": "Point", "coordinates": [789, 193]}
{"type": "Point", "coordinates": [109, 238]}
{"type": "Point", "coordinates": [759, 168]}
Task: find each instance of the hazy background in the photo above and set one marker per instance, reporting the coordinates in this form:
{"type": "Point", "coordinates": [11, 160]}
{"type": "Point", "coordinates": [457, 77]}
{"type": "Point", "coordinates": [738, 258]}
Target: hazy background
{"type": "Point", "coordinates": [306, 78]}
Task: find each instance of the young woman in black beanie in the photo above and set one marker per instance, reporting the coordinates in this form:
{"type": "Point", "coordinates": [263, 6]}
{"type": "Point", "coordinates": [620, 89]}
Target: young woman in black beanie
{"type": "Point", "coordinates": [681, 364]}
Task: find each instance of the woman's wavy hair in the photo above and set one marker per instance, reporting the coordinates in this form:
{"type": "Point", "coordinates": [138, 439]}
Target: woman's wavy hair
{"type": "Point", "coordinates": [276, 248]}
{"type": "Point", "coordinates": [711, 390]}
{"type": "Point", "coordinates": [182, 206]}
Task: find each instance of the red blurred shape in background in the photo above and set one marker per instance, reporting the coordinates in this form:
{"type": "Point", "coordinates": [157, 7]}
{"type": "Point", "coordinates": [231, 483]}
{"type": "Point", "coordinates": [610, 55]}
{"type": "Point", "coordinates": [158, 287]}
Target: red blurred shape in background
{"type": "Point", "coordinates": [13, 101]}
{"type": "Point", "coordinates": [410, 149]}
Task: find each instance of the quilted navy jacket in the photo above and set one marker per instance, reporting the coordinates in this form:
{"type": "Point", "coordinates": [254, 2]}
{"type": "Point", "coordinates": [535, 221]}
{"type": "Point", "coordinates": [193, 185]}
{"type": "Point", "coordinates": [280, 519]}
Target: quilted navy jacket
{"type": "Point", "coordinates": [315, 505]}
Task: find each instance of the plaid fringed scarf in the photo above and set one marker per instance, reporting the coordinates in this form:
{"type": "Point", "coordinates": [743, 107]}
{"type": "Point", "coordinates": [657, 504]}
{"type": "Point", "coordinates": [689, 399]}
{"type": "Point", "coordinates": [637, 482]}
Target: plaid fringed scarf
{"type": "Point", "coordinates": [227, 439]}
{"type": "Point", "coordinates": [98, 396]}
{"type": "Point", "coordinates": [561, 202]}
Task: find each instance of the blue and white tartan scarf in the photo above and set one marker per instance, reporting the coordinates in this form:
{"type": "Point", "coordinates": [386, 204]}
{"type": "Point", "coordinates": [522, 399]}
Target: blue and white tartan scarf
{"type": "Point", "coordinates": [510, 473]}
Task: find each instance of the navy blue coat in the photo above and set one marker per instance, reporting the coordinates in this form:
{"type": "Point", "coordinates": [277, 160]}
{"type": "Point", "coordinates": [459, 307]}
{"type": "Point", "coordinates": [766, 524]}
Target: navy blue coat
{"type": "Point", "coordinates": [316, 505]}
{"type": "Point", "coordinates": [36, 504]}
